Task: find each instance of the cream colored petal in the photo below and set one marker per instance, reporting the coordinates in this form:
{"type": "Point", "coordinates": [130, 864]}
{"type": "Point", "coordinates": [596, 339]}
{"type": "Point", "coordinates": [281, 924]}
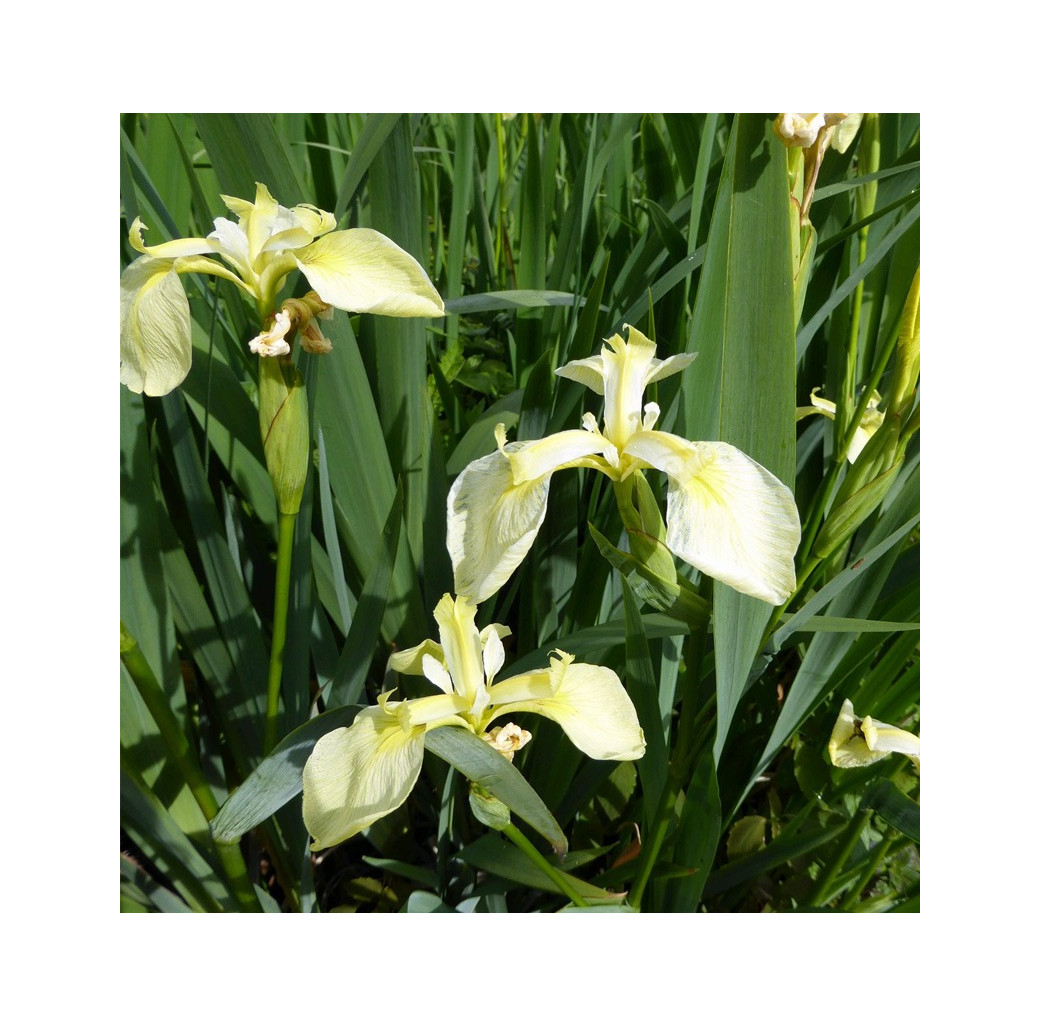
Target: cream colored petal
{"type": "Point", "coordinates": [494, 655]}
{"type": "Point", "coordinates": [167, 250]}
{"type": "Point", "coordinates": [534, 460]}
{"type": "Point", "coordinates": [410, 660]}
{"type": "Point", "coordinates": [265, 219]}
{"type": "Point", "coordinates": [358, 774]}
{"type": "Point", "coordinates": [853, 754]}
{"type": "Point", "coordinates": [798, 129]}
{"type": "Point", "coordinates": [291, 238]}
{"type": "Point", "coordinates": [589, 372]}
{"type": "Point", "coordinates": [847, 127]}
{"type": "Point", "coordinates": [206, 265]}
{"type": "Point", "coordinates": [860, 437]}
{"type": "Point", "coordinates": [661, 369]}
{"type": "Point", "coordinates": [436, 673]}
{"type": "Point", "coordinates": [847, 747]}
{"type": "Point", "coordinates": [825, 406]}
{"type": "Point", "coordinates": [525, 687]}
{"type": "Point", "coordinates": [492, 524]}
{"type": "Point", "coordinates": [363, 271]}
{"type": "Point", "coordinates": [239, 207]}
{"type": "Point", "coordinates": [883, 737]}
{"type": "Point", "coordinates": [154, 327]}
{"type": "Point", "coordinates": [870, 422]}
{"type": "Point", "coordinates": [313, 219]}
{"type": "Point", "coordinates": [434, 710]}
{"type": "Point", "coordinates": [462, 649]}
{"type": "Point", "coordinates": [727, 515]}
{"type": "Point", "coordinates": [628, 366]}
{"type": "Point", "coordinates": [591, 706]}
{"type": "Point", "coordinates": [230, 241]}
{"type": "Point", "coordinates": [497, 628]}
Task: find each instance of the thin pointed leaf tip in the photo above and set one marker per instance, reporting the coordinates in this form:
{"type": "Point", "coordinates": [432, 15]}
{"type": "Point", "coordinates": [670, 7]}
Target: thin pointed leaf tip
{"type": "Point", "coordinates": [727, 516]}
{"type": "Point", "coordinates": [358, 270]}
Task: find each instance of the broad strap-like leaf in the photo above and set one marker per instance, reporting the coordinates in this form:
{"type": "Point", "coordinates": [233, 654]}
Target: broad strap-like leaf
{"type": "Point", "coordinates": [478, 761]}
{"type": "Point", "coordinates": [277, 779]}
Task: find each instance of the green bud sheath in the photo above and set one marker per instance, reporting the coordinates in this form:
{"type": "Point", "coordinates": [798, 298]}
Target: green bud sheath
{"type": "Point", "coordinates": [285, 429]}
{"type": "Point", "coordinates": [488, 809]}
{"type": "Point", "coordinates": [645, 526]}
{"type": "Point", "coordinates": [908, 351]}
{"type": "Point", "coordinates": [863, 489]}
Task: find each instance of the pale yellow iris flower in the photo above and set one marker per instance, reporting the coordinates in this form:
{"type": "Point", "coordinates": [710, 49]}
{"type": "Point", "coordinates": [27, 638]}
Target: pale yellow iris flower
{"type": "Point", "coordinates": [860, 742]}
{"type": "Point", "coordinates": [727, 516]}
{"type": "Point", "coordinates": [865, 430]}
{"type": "Point", "coordinates": [358, 774]}
{"type": "Point", "coordinates": [358, 270]}
{"type": "Point", "coordinates": [803, 130]}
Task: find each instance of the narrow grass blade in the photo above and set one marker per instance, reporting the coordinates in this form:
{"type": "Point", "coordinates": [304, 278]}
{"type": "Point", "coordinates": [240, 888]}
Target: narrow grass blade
{"type": "Point", "coordinates": [813, 680]}
{"type": "Point", "coordinates": [641, 685]}
{"type": "Point", "coordinates": [154, 829]}
{"type": "Point", "coordinates": [895, 808]}
{"type": "Point", "coordinates": [697, 836]}
{"type": "Point", "coordinates": [360, 646]}
{"type": "Point", "coordinates": [245, 149]}
{"type": "Point", "coordinates": [742, 388]}
{"type": "Point", "coordinates": [374, 133]}
{"type": "Point", "coordinates": [278, 779]}
{"type": "Point", "coordinates": [399, 343]}
{"type": "Point", "coordinates": [345, 412]}
{"type": "Point", "coordinates": [494, 855]}
{"type": "Point", "coordinates": [808, 331]}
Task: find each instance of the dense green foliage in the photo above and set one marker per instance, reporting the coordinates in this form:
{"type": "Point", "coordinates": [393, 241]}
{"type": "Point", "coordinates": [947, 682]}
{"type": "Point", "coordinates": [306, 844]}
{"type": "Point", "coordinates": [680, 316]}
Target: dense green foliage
{"type": "Point", "coordinates": [544, 234]}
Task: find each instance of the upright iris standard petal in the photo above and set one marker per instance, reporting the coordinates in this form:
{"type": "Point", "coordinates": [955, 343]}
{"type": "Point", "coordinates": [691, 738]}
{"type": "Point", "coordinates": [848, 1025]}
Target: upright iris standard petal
{"type": "Point", "coordinates": [358, 774]}
{"type": "Point", "coordinates": [361, 270]}
{"type": "Point", "coordinates": [588, 702]}
{"type": "Point", "coordinates": [620, 374]}
{"type": "Point", "coordinates": [727, 515]}
{"type": "Point", "coordinates": [154, 327]}
{"type": "Point", "coordinates": [462, 649]}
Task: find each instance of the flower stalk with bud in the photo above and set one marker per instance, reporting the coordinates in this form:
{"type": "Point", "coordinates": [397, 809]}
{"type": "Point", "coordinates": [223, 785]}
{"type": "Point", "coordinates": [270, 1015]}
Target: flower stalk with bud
{"type": "Point", "coordinates": [358, 270]}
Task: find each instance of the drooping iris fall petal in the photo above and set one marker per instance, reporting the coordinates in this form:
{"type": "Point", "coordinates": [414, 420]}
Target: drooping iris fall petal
{"type": "Point", "coordinates": [358, 774]}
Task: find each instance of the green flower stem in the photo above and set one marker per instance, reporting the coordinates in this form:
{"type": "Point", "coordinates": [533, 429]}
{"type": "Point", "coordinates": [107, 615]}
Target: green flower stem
{"type": "Point", "coordinates": [559, 879]}
{"type": "Point", "coordinates": [500, 140]}
{"type": "Point", "coordinates": [691, 715]}
{"type": "Point", "coordinates": [848, 391]}
{"type": "Point", "coordinates": [878, 853]}
{"type": "Point", "coordinates": [286, 529]}
{"type": "Point", "coordinates": [691, 732]}
{"type": "Point", "coordinates": [179, 748]}
{"type": "Point", "coordinates": [825, 884]}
